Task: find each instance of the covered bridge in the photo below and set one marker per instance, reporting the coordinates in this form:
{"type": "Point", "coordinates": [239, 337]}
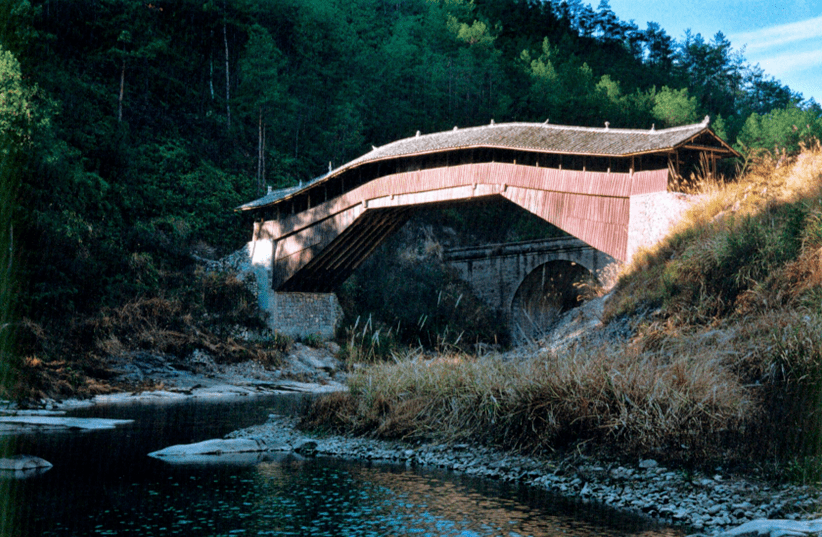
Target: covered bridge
{"type": "Point", "coordinates": [597, 184]}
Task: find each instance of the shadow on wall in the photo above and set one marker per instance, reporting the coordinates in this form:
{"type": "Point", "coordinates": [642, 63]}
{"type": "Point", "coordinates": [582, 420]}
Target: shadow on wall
{"type": "Point", "coordinates": [546, 293]}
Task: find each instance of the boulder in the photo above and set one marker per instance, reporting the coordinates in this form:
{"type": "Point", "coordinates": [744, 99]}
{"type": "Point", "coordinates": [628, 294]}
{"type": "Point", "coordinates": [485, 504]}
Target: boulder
{"type": "Point", "coordinates": [234, 451]}
{"type": "Point", "coordinates": [23, 466]}
{"type": "Point", "coordinates": [211, 447]}
{"type": "Point", "coordinates": [777, 528]}
{"type": "Point", "coordinates": [307, 448]}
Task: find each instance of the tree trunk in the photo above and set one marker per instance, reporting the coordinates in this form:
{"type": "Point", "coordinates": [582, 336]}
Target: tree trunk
{"type": "Point", "coordinates": [262, 187]}
{"type": "Point", "coordinates": [11, 251]}
{"type": "Point", "coordinates": [211, 77]}
{"type": "Point", "coordinates": [297, 137]}
{"type": "Point", "coordinates": [227, 80]}
{"type": "Point", "coordinates": [450, 77]}
{"type": "Point", "coordinates": [122, 86]}
{"type": "Point", "coordinates": [260, 154]}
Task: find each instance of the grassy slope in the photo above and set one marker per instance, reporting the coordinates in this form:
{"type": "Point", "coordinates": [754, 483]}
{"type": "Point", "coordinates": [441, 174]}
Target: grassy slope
{"type": "Point", "coordinates": [724, 361]}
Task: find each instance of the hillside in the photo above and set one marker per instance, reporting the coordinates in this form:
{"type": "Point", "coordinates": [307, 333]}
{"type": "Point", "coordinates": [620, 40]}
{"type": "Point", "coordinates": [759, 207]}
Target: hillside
{"type": "Point", "coordinates": [129, 132]}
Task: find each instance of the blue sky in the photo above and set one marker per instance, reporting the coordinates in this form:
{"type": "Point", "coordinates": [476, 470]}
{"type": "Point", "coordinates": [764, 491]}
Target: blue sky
{"type": "Point", "coordinates": [784, 37]}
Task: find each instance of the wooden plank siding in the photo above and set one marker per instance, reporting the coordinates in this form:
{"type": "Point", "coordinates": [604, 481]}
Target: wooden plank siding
{"type": "Point", "coordinates": [318, 246]}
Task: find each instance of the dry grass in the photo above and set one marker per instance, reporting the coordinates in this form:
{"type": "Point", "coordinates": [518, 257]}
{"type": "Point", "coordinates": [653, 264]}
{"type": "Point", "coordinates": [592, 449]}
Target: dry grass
{"type": "Point", "coordinates": [742, 275]}
{"type": "Point", "coordinates": [750, 244]}
{"type": "Point", "coordinates": [632, 403]}
{"type": "Point", "coordinates": [164, 326]}
{"type": "Point", "coordinates": [749, 390]}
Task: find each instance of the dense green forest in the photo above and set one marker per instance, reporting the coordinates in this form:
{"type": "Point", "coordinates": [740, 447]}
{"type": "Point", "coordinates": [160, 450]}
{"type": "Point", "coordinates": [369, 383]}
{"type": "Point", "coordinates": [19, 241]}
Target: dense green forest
{"type": "Point", "coordinates": [131, 130]}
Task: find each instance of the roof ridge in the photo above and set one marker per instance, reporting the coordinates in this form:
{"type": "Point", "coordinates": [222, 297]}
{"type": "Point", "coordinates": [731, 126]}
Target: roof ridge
{"type": "Point", "coordinates": [553, 126]}
{"type": "Point", "coordinates": [604, 129]}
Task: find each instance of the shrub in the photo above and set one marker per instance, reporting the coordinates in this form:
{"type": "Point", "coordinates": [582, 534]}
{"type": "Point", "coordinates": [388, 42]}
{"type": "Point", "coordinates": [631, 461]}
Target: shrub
{"type": "Point", "coordinates": [209, 313]}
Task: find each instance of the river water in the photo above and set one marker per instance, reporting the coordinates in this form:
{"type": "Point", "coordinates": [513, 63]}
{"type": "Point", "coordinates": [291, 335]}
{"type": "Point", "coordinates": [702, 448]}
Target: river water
{"type": "Point", "coordinates": [102, 483]}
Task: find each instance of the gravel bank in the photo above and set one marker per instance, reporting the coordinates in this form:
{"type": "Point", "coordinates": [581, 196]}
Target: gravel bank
{"type": "Point", "coordinates": [706, 504]}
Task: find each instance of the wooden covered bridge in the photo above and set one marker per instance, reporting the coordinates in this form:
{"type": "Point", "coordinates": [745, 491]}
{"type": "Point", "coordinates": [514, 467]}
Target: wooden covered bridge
{"type": "Point", "coordinates": [600, 185]}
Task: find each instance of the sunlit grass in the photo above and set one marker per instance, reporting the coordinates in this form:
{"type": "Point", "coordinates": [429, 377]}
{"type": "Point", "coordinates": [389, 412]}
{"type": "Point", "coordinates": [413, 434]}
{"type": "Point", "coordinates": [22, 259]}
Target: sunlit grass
{"type": "Point", "coordinates": [739, 240]}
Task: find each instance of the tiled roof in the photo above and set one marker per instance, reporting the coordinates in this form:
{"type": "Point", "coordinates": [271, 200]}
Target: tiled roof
{"type": "Point", "coordinates": [540, 137]}
{"type": "Point", "coordinates": [282, 193]}
{"type": "Point", "coordinates": [545, 138]}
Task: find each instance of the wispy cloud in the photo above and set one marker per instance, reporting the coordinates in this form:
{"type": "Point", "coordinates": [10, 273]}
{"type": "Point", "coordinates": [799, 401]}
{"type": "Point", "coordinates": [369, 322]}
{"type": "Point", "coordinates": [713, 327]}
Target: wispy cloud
{"type": "Point", "coordinates": [783, 34]}
{"type": "Point", "coordinates": [788, 62]}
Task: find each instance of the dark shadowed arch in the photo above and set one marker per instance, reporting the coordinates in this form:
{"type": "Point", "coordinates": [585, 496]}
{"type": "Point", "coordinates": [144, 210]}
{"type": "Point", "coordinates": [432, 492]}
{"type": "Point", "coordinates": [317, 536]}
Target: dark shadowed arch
{"type": "Point", "coordinates": [546, 293]}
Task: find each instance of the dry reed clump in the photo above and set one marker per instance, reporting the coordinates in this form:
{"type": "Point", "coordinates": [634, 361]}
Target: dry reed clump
{"type": "Point", "coordinates": [366, 343]}
{"type": "Point", "coordinates": [780, 353]}
{"type": "Point", "coordinates": [623, 401]}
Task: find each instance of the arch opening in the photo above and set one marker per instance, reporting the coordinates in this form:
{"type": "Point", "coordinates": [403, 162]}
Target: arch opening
{"type": "Point", "coordinates": [547, 292]}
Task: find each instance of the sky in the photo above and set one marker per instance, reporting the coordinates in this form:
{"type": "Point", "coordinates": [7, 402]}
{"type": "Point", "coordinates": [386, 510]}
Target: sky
{"type": "Point", "coordinates": [784, 37]}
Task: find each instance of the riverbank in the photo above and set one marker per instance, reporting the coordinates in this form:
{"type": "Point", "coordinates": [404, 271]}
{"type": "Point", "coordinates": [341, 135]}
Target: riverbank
{"type": "Point", "coordinates": [707, 503]}
{"type": "Point", "coordinates": [703, 502]}
{"type": "Point", "coordinates": [146, 378]}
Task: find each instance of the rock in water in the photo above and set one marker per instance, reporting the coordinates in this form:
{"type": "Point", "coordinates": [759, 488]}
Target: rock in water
{"type": "Point", "coordinates": [24, 462]}
{"type": "Point", "coordinates": [307, 448]}
{"type": "Point", "coordinates": [211, 447]}
{"type": "Point", "coordinates": [61, 422]}
{"type": "Point", "coordinates": [23, 466]}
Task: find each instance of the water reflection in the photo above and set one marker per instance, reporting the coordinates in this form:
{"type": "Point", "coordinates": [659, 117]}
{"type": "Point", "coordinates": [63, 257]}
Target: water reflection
{"type": "Point", "coordinates": [104, 484]}
{"type": "Point", "coordinates": [327, 497]}
{"type": "Point", "coordinates": [381, 500]}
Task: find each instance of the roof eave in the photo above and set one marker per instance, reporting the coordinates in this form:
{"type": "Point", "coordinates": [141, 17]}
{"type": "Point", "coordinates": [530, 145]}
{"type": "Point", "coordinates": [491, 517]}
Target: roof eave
{"type": "Point", "coordinates": [724, 144]}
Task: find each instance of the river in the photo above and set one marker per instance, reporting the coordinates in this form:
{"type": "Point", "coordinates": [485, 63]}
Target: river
{"type": "Point", "coordinates": [102, 483]}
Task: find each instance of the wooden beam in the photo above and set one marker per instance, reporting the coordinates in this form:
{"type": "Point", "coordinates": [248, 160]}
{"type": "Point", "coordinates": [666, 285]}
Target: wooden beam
{"type": "Point", "coordinates": [375, 226]}
{"type": "Point", "coordinates": [317, 274]}
{"type": "Point", "coordinates": [339, 276]}
{"type": "Point", "coordinates": [300, 278]}
{"type": "Point", "coordinates": [348, 252]}
{"type": "Point", "coordinates": [705, 148]}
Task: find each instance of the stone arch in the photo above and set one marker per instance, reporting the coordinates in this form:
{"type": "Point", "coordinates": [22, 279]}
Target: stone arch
{"type": "Point", "coordinates": [544, 294]}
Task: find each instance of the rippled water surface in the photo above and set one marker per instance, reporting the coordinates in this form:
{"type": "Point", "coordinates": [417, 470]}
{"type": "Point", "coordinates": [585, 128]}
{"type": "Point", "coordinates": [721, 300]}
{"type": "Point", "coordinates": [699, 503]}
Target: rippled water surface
{"type": "Point", "coordinates": [103, 483]}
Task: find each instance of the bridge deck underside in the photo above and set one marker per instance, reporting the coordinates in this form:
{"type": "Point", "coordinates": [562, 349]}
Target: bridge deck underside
{"type": "Point", "coordinates": [319, 247]}
{"type": "Point", "coordinates": [335, 262]}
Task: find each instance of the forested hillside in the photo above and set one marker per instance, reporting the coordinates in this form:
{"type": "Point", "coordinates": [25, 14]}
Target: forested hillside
{"type": "Point", "coordinates": [130, 130]}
